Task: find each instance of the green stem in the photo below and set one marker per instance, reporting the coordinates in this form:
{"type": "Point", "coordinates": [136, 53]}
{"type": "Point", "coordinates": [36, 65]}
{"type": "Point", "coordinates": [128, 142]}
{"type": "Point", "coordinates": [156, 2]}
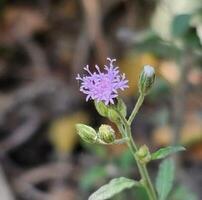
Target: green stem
{"type": "Point", "coordinates": [136, 108]}
{"type": "Point", "coordinates": [143, 171]}
{"type": "Point", "coordinates": [126, 131]}
{"type": "Point", "coordinates": [142, 168]}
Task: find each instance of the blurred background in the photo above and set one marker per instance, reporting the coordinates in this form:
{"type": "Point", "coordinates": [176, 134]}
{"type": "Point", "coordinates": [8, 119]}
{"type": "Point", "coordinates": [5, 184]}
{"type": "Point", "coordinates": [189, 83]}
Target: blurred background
{"type": "Point", "coordinates": [45, 43]}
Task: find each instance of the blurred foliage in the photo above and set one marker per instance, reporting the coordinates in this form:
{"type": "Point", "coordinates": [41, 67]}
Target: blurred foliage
{"type": "Point", "coordinates": [97, 174]}
{"type": "Point", "coordinates": [183, 193]}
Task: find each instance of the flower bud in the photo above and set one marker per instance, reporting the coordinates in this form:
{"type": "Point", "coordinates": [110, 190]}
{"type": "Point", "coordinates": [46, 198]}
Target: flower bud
{"type": "Point", "coordinates": [113, 115]}
{"type": "Point", "coordinates": [106, 133]}
{"type": "Point", "coordinates": [87, 133]}
{"type": "Point", "coordinates": [101, 108]}
{"type": "Point", "coordinates": [110, 111]}
{"type": "Point", "coordinates": [146, 80]}
{"type": "Point", "coordinates": [116, 108]}
{"type": "Point", "coordinates": [143, 154]}
{"type": "Point", "coordinates": [120, 106]}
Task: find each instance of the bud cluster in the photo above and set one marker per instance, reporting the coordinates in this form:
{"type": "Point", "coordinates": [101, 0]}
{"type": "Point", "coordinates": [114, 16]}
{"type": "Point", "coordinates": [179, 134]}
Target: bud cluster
{"type": "Point", "coordinates": [105, 135]}
{"type": "Point", "coordinates": [111, 111]}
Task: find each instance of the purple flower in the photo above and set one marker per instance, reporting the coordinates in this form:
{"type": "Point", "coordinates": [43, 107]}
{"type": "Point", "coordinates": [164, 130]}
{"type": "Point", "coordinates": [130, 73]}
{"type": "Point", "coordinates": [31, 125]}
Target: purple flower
{"type": "Point", "coordinates": [103, 86]}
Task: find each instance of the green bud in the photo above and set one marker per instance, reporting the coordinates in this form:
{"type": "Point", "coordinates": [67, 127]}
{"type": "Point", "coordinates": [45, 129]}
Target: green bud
{"type": "Point", "coordinates": [121, 107]}
{"type": "Point", "coordinates": [143, 154]}
{"type": "Point", "coordinates": [107, 111]}
{"type": "Point", "coordinates": [110, 111]}
{"type": "Point", "coordinates": [118, 106]}
{"type": "Point", "coordinates": [113, 115]}
{"type": "Point", "coordinates": [146, 80]}
{"type": "Point", "coordinates": [143, 151]}
{"type": "Point", "coordinates": [106, 133]}
{"type": "Point", "coordinates": [87, 133]}
{"type": "Point", "coordinates": [146, 159]}
{"type": "Point", "coordinates": [101, 108]}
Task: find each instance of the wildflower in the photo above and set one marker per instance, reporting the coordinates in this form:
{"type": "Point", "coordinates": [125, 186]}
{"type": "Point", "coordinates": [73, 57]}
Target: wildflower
{"type": "Point", "coordinates": [103, 86]}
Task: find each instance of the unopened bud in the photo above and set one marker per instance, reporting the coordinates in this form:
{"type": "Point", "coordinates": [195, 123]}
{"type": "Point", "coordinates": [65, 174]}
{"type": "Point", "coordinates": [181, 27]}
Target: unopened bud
{"type": "Point", "coordinates": [113, 115]}
{"type": "Point", "coordinates": [146, 80]}
{"type": "Point", "coordinates": [108, 111]}
{"type": "Point", "coordinates": [101, 108]}
{"type": "Point", "coordinates": [106, 133]}
{"type": "Point", "coordinates": [120, 106]}
{"type": "Point", "coordinates": [112, 111]}
{"type": "Point", "coordinates": [87, 133]}
{"type": "Point", "coordinates": [117, 109]}
{"type": "Point", "coordinates": [143, 154]}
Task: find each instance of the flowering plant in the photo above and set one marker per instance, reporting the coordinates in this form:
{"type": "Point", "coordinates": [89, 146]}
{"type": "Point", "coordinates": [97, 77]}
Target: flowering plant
{"type": "Point", "coordinates": [103, 87]}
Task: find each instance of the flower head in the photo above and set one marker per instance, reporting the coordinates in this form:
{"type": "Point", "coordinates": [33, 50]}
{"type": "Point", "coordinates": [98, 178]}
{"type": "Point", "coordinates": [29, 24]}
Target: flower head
{"type": "Point", "coordinates": [103, 86]}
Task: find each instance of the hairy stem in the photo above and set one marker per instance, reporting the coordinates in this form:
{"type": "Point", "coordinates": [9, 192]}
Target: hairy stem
{"type": "Point", "coordinates": [126, 131]}
{"type": "Point", "coordinates": [143, 171]}
{"type": "Point", "coordinates": [136, 108]}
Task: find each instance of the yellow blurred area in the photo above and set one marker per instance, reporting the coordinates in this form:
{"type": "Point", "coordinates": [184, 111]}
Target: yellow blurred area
{"type": "Point", "coordinates": [169, 71]}
{"type": "Point", "coordinates": [191, 132]}
{"type": "Point", "coordinates": [132, 65]}
{"type": "Point", "coordinates": [62, 131]}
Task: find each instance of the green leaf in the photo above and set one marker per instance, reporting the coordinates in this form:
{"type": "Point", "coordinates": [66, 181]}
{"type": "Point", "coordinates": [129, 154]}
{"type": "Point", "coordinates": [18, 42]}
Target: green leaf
{"type": "Point", "coordinates": [183, 193]}
{"type": "Point", "coordinates": [140, 194]}
{"type": "Point", "coordinates": [180, 25]}
{"type": "Point", "coordinates": [165, 178]}
{"type": "Point", "coordinates": [114, 187]}
{"type": "Point", "coordinates": [163, 152]}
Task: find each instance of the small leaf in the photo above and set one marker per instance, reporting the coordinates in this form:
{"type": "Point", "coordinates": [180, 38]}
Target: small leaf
{"type": "Point", "coordinates": [165, 178]}
{"type": "Point", "coordinates": [180, 25]}
{"type": "Point", "coordinates": [114, 187]}
{"type": "Point", "coordinates": [163, 152]}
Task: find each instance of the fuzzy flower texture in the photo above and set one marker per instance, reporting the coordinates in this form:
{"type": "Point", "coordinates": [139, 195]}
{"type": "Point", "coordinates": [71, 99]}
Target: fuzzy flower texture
{"type": "Point", "coordinates": [103, 86]}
